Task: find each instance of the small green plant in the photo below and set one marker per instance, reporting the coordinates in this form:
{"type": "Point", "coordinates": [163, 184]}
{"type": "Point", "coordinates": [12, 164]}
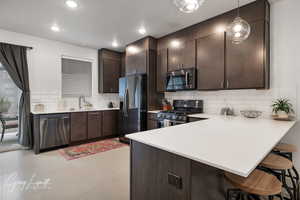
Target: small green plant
{"type": "Point", "coordinates": [4, 105]}
{"type": "Point", "coordinates": [282, 105]}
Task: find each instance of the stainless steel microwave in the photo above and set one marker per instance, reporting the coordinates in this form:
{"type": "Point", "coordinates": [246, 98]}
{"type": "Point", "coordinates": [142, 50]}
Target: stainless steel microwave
{"type": "Point", "coordinates": [184, 79]}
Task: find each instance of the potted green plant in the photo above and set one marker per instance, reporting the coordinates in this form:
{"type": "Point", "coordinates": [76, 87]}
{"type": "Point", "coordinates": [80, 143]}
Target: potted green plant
{"type": "Point", "coordinates": [4, 105]}
{"type": "Point", "coordinates": [282, 108]}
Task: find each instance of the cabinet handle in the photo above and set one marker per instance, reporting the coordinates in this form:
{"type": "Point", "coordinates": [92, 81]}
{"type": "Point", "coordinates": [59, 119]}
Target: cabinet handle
{"type": "Point", "coordinates": [222, 84]}
{"type": "Point", "coordinates": [227, 84]}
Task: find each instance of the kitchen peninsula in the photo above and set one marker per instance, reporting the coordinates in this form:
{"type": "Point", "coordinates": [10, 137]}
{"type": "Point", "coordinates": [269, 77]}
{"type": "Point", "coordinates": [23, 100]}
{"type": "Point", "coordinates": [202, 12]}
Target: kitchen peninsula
{"type": "Point", "coordinates": [188, 161]}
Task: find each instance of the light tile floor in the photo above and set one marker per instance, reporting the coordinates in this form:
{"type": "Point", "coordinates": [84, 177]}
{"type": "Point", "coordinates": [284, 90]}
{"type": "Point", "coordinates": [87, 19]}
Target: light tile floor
{"type": "Point", "coordinates": [103, 176]}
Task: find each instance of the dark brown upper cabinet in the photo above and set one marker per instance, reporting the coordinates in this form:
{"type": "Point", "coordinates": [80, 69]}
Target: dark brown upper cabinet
{"type": "Point", "coordinates": [221, 64]}
{"type": "Point", "coordinates": [136, 57]}
{"type": "Point", "coordinates": [141, 57]}
{"type": "Point", "coordinates": [189, 54]}
{"type": "Point", "coordinates": [78, 126]}
{"type": "Point", "coordinates": [94, 125]}
{"type": "Point", "coordinates": [109, 71]}
{"type": "Point", "coordinates": [162, 69]}
{"type": "Point", "coordinates": [136, 60]}
{"type": "Point", "coordinates": [181, 55]}
{"type": "Point", "coordinates": [123, 73]}
{"type": "Point", "coordinates": [247, 62]}
{"type": "Point", "coordinates": [211, 62]}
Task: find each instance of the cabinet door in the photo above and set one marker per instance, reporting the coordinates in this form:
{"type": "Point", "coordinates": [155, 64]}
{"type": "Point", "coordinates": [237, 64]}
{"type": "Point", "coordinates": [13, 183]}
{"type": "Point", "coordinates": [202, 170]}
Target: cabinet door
{"type": "Point", "coordinates": [94, 125]}
{"type": "Point", "coordinates": [123, 73]}
{"type": "Point", "coordinates": [175, 57]}
{"type": "Point", "coordinates": [78, 126]}
{"type": "Point", "coordinates": [211, 62]}
{"type": "Point", "coordinates": [151, 124]}
{"type": "Point", "coordinates": [136, 62]}
{"type": "Point", "coordinates": [152, 171]}
{"type": "Point", "coordinates": [245, 67]}
{"type": "Point", "coordinates": [183, 55]}
{"type": "Point", "coordinates": [110, 123]}
{"type": "Point", "coordinates": [162, 69]}
{"type": "Point", "coordinates": [188, 55]}
{"type": "Point", "coordinates": [111, 74]}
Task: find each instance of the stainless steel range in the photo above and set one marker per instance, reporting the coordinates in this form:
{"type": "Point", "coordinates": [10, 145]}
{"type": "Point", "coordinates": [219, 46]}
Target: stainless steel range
{"type": "Point", "coordinates": [179, 115]}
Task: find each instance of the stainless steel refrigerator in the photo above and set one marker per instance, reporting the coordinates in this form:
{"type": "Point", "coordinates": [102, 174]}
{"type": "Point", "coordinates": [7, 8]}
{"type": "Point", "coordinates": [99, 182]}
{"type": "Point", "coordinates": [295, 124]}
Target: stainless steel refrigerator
{"type": "Point", "coordinates": [133, 105]}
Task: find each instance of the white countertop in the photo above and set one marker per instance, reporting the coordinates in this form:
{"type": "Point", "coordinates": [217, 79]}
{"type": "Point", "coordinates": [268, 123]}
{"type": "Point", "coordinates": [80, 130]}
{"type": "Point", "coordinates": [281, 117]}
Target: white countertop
{"type": "Point", "coordinates": [154, 111]}
{"type": "Point", "coordinates": [233, 144]}
{"type": "Point", "coordinates": [70, 111]}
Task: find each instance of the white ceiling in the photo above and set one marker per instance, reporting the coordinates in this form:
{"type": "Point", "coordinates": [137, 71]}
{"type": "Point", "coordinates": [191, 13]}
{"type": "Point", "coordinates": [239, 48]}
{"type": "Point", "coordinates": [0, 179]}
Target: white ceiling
{"type": "Point", "coordinates": [95, 23]}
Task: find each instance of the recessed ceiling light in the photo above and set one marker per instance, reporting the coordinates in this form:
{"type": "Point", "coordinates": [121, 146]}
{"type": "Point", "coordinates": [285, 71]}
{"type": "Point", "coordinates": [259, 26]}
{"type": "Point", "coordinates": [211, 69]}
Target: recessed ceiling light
{"type": "Point", "coordinates": [133, 49]}
{"type": "Point", "coordinates": [175, 43]}
{"type": "Point", "coordinates": [142, 31]}
{"type": "Point", "coordinates": [55, 28]}
{"type": "Point", "coordinates": [188, 6]}
{"type": "Point", "coordinates": [71, 4]}
{"type": "Point", "coordinates": [115, 44]}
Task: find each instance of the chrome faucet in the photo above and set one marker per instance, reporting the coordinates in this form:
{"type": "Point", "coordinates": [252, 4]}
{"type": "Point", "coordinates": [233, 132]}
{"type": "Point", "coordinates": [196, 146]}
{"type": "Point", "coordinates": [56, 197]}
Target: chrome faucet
{"type": "Point", "coordinates": [80, 101]}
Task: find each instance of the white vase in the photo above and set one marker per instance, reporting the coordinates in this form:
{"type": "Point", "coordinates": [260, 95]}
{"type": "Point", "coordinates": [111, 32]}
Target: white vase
{"type": "Point", "coordinates": [282, 115]}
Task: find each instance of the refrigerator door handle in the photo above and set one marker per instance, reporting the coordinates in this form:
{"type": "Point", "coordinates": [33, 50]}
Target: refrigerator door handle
{"type": "Point", "coordinates": [125, 107]}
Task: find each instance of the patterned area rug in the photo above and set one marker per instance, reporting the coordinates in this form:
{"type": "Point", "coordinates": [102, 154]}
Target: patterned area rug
{"type": "Point", "coordinates": [71, 153]}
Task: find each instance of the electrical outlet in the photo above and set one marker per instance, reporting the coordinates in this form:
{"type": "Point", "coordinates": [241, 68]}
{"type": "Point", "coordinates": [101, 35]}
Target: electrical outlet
{"type": "Point", "coordinates": [175, 180]}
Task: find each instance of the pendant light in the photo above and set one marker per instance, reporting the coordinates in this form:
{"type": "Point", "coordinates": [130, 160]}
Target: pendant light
{"type": "Point", "coordinates": [188, 6]}
{"type": "Point", "coordinates": [239, 30]}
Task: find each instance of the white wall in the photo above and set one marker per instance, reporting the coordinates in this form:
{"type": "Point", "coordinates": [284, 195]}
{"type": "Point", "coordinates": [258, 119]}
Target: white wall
{"type": "Point", "coordinates": [45, 68]}
{"type": "Point", "coordinates": [285, 72]}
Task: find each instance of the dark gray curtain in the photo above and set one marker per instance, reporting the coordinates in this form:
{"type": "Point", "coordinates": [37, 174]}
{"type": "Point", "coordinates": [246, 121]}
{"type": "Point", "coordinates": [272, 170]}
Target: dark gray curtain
{"type": "Point", "coordinates": [14, 60]}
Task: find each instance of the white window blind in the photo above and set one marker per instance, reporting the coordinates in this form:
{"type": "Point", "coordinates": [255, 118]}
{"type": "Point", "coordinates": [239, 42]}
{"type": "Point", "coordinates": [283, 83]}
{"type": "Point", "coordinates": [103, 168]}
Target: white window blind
{"type": "Point", "coordinates": [76, 78]}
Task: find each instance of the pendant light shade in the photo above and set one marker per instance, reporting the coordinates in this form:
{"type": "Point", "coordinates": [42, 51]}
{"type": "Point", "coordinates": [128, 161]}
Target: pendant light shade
{"type": "Point", "coordinates": [239, 30]}
{"type": "Point", "coordinates": [188, 6]}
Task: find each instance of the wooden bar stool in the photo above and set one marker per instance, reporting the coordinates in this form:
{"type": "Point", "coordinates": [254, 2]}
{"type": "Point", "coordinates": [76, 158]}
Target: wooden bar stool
{"type": "Point", "coordinates": [284, 147]}
{"type": "Point", "coordinates": [287, 150]}
{"type": "Point", "coordinates": [280, 166]}
{"type": "Point", "coordinates": [257, 184]}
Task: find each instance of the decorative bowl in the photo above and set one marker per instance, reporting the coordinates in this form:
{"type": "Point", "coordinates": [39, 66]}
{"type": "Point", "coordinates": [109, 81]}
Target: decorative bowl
{"type": "Point", "coordinates": [251, 113]}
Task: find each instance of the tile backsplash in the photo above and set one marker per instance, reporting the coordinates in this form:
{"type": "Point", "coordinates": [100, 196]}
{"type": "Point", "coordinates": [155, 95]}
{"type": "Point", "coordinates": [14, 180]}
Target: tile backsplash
{"type": "Point", "coordinates": [237, 99]}
{"type": "Point", "coordinates": [54, 101]}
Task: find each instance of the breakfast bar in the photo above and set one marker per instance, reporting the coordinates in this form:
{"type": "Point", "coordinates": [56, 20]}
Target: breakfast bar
{"type": "Point", "coordinates": [188, 161]}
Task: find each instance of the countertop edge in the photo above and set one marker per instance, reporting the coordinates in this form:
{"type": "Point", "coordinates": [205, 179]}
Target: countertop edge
{"type": "Point", "coordinates": [72, 111]}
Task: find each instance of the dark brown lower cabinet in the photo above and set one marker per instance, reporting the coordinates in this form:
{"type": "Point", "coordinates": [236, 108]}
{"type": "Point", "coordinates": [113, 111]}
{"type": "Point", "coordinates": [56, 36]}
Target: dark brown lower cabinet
{"type": "Point", "coordinates": [152, 123]}
{"type": "Point", "coordinates": [152, 170]}
{"type": "Point", "coordinates": [160, 175]}
{"type": "Point", "coordinates": [94, 125]}
{"type": "Point", "coordinates": [78, 126]}
{"type": "Point", "coordinates": [110, 122]}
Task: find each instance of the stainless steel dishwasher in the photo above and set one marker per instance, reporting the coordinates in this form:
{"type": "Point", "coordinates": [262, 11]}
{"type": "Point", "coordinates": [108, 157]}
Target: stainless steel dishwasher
{"type": "Point", "coordinates": [54, 130]}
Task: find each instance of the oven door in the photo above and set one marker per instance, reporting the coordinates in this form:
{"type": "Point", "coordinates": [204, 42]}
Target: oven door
{"type": "Point", "coordinates": [167, 123]}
